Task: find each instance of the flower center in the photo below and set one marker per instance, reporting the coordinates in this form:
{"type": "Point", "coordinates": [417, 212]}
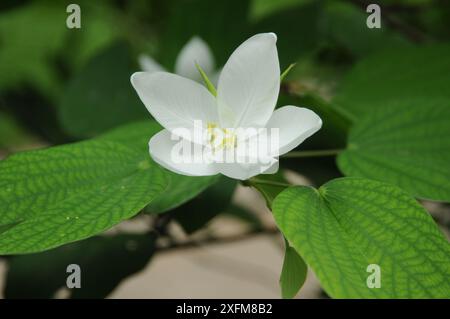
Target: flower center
{"type": "Point", "coordinates": [220, 138]}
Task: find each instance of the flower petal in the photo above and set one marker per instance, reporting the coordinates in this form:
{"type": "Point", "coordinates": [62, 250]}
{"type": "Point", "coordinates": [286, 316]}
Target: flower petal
{"type": "Point", "coordinates": [148, 64]}
{"type": "Point", "coordinates": [175, 102]}
{"type": "Point", "coordinates": [195, 51]}
{"type": "Point", "coordinates": [272, 169]}
{"type": "Point", "coordinates": [246, 161]}
{"type": "Point", "coordinates": [214, 77]}
{"type": "Point", "coordinates": [244, 171]}
{"type": "Point", "coordinates": [249, 83]}
{"type": "Point", "coordinates": [164, 149]}
{"type": "Point", "coordinates": [295, 124]}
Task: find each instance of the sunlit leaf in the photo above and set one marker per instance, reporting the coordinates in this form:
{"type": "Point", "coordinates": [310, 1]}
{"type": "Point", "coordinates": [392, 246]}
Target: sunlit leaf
{"type": "Point", "coordinates": [351, 223]}
{"type": "Point", "coordinates": [67, 193]}
{"type": "Point", "coordinates": [293, 274]}
{"type": "Point", "coordinates": [406, 143]}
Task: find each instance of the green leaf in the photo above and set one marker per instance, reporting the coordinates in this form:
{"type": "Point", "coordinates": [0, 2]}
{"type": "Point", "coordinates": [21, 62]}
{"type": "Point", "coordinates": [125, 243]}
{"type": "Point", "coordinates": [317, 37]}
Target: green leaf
{"type": "Point", "coordinates": [422, 72]}
{"type": "Point", "coordinates": [350, 223]}
{"type": "Point", "coordinates": [62, 194]}
{"type": "Point", "coordinates": [67, 193]}
{"type": "Point", "coordinates": [104, 263]}
{"type": "Point", "coordinates": [293, 274]}
{"type": "Point", "coordinates": [100, 97]}
{"type": "Point", "coordinates": [199, 211]}
{"type": "Point", "coordinates": [406, 143]}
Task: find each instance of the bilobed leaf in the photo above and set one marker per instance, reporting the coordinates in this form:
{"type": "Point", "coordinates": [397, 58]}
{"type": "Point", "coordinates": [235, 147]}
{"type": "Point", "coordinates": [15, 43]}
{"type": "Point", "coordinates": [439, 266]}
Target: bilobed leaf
{"type": "Point", "coordinates": [422, 72]}
{"type": "Point", "coordinates": [350, 223]}
{"type": "Point", "coordinates": [406, 143]}
{"type": "Point", "coordinates": [104, 263]}
{"type": "Point", "coordinates": [100, 97]}
{"type": "Point", "coordinates": [293, 274]}
{"type": "Point", "coordinates": [67, 193]}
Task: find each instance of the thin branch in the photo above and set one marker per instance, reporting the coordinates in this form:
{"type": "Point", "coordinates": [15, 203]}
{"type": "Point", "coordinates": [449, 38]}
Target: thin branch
{"type": "Point", "coordinates": [313, 153]}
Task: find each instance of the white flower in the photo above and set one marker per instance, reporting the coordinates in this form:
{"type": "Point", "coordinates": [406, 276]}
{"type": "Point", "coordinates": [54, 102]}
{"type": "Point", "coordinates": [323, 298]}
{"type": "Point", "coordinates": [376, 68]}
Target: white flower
{"type": "Point", "coordinates": [247, 92]}
{"type": "Point", "coordinates": [195, 51]}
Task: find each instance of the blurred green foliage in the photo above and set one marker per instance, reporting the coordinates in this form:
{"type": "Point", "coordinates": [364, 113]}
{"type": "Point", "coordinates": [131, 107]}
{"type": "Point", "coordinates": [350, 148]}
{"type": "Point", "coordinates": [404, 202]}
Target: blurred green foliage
{"type": "Point", "coordinates": [107, 99]}
{"type": "Point", "coordinates": [60, 85]}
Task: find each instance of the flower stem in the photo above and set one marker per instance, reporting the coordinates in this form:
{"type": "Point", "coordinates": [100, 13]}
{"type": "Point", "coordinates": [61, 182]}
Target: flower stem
{"type": "Point", "coordinates": [314, 153]}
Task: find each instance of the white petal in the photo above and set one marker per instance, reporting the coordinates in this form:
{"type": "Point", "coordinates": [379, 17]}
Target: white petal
{"type": "Point", "coordinates": [148, 64]}
{"type": "Point", "coordinates": [272, 169]}
{"type": "Point", "coordinates": [295, 124]}
{"type": "Point", "coordinates": [162, 148]}
{"type": "Point", "coordinates": [243, 171]}
{"type": "Point", "coordinates": [175, 102]}
{"type": "Point", "coordinates": [195, 51]}
{"type": "Point", "coordinates": [249, 83]}
{"type": "Point", "coordinates": [250, 163]}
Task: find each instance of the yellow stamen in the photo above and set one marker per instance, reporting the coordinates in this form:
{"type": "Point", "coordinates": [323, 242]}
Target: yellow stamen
{"type": "Point", "coordinates": [226, 136]}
